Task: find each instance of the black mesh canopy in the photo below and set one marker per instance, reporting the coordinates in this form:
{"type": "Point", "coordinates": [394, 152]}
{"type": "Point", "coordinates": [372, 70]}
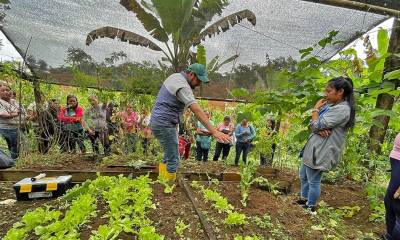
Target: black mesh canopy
{"type": "Point", "coordinates": [283, 27]}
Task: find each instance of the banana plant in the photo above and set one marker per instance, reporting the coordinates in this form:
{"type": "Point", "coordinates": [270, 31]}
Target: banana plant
{"type": "Point", "coordinates": [175, 35]}
{"type": "Point", "coordinates": [215, 64]}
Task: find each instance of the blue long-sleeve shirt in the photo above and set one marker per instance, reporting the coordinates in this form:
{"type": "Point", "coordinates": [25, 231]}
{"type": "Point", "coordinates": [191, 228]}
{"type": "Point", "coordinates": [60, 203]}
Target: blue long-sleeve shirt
{"type": "Point", "coordinates": [244, 134]}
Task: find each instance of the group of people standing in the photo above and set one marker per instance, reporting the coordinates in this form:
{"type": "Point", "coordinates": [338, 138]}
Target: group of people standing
{"type": "Point", "coordinates": [242, 137]}
{"type": "Point", "coordinates": [70, 125]}
{"type": "Point", "coordinates": [331, 118]}
{"type": "Point", "coordinates": [100, 123]}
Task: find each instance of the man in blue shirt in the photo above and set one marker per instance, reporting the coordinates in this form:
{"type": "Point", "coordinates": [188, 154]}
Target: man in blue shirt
{"type": "Point", "coordinates": [175, 95]}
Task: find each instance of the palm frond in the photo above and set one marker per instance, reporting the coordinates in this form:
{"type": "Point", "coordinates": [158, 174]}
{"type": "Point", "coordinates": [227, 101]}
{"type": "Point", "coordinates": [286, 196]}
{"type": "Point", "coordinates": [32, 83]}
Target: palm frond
{"type": "Point", "coordinates": [148, 20]}
{"type": "Point", "coordinates": [225, 24]}
{"type": "Point", "coordinates": [122, 35]}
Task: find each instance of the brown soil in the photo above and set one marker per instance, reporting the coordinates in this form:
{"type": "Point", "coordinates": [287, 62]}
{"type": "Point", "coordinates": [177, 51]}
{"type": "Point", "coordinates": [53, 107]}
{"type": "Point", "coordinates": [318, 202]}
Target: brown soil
{"type": "Point", "coordinates": [58, 161]}
{"type": "Point", "coordinates": [170, 207]}
{"type": "Point", "coordinates": [210, 166]}
{"type": "Point", "coordinates": [296, 222]}
{"type": "Point", "coordinates": [293, 218]}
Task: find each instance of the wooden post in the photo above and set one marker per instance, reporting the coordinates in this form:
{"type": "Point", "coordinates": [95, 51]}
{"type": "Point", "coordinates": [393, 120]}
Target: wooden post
{"type": "Point", "coordinates": [385, 101]}
{"type": "Point", "coordinates": [359, 6]}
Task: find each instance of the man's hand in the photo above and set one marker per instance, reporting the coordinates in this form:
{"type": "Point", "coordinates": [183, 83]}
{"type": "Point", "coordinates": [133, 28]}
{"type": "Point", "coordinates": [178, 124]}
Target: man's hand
{"type": "Point", "coordinates": [324, 133]}
{"type": "Point", "coordinates": [320, 103]}
{"type": "Point", "coordinates": [397, 194]}
{"type": "Point", "coordinates": [222, 137]}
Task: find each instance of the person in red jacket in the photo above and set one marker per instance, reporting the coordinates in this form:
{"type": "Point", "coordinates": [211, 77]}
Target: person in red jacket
{"type": "Point", "coordinates": [71, 118]}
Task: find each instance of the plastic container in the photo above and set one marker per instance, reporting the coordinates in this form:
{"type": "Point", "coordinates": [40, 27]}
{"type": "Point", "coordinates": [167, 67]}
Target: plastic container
{"type": "Point", "coordinates": [47, 187]}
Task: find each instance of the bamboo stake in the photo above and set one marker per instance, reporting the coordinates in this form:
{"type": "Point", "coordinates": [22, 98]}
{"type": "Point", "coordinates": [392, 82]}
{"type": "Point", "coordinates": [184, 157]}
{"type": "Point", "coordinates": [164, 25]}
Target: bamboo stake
{"type": "Point", "coordinates": [359, 6]}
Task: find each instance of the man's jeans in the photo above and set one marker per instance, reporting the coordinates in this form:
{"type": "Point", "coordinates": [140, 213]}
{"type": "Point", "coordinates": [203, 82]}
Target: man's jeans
{"type": "Point", "coordinates": [11, 137]}
{"type": "Point", "coordinates": [310, 184]}
{"type": "Point", "coordinates": [201, 153]}
{"type": "Point", "coordinates": [5, 161]}
{"type": "Point", "coordinates": [168, 138]}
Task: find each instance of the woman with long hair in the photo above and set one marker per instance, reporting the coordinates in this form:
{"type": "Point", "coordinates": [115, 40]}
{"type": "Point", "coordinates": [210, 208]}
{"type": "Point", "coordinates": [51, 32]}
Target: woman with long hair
{"type": "Point", "coordinates": [331, 118]}
{"type": "Point", "coordinates": [71, 118]}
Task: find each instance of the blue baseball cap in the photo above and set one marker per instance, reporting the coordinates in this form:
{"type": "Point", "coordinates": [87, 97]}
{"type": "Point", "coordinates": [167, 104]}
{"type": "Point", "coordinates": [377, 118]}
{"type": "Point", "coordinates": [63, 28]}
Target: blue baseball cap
{"type": "Point", "coordinates": [200, 71]}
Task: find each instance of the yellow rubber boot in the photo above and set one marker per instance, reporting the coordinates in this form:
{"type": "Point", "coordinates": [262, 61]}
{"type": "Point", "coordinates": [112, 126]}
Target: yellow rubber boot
{"type": "Point", "coordinates": [162, 170]}
{"type": "Point", "coordinates": [170, 176]}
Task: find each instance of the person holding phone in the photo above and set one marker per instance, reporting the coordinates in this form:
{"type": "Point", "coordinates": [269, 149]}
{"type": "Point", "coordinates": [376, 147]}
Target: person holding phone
{"type": "Point", "coordinates": [392, 197]}
{"type": "Point", "coordinates": [331, 118]}
{"type": "Point", "coordinates": [245, 134]}
{"type": "Point", "coordinates": [203, 140]}
{"type": "Point", "coordinates": [225, 127]}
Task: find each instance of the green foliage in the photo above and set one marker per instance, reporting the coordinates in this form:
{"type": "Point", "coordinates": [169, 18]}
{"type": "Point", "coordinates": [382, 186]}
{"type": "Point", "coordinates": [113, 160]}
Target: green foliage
{"type": "Point", "coordinates": [376, 192]}
{"type": "Point", "coordinates": [265, 222]}
{"type": "Point", "coordinates": [159, 18]}
{"type": "Point", "coordinates": [201, 55]}
{"type": "Point", "coordinates": [218, 202]}
{"type": "Point", "coordinates": [30, 221]}
{"type": "Point", "coordinates": [331, 224]}
{"type": "Point", "coordinates": [80, 211]}
{"type": "Point", "coordinates": [394, 75]}
{"type": "Point", "coordinates": [214, 65]}
{"type": "Point", "coordinates": [246, 179]}
{"type": "Point", "coordinates": [235, 219]}
{"type": "Point", "coordinates": [276, 229]}
{"type": "Point", "coordinates": [253, 237]}
{"type": "Point", "coordinates": [180, 227]}
{"type": "Point", "coordinates": [128, 202]}
{"type": "Point", "coordinates": [168, 187]}
{"type": "Point", "coordinates": [347, 211]}
{"type": "Point", "coordinates": [222, 205]}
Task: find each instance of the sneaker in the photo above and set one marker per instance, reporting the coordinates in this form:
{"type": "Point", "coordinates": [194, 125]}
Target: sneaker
{"type": "Point", "coordinates": [300, 201]}
{"type": "Point", "coordinates": [312, 209]}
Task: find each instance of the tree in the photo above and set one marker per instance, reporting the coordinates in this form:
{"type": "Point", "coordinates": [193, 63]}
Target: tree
{"type": "Point", "coordinates": [42, 65]}
{"type": "Point", "coordinates": [115, 57]}
{"type": "Point", "coordinates": [177, 34]}
{"type": "Point", "coordinates": [385, 100]}
{"type": "Point", "coordinates": [76, 56]}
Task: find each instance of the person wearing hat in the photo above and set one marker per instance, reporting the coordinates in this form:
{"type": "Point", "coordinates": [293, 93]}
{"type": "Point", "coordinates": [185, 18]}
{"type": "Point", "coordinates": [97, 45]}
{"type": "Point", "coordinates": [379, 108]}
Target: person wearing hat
{"type": "Point", "coordinates": [175, 95]}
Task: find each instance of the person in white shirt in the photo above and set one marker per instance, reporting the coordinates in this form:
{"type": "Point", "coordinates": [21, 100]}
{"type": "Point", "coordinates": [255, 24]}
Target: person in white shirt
{"type": "Point", "coordinates": [10, 113]}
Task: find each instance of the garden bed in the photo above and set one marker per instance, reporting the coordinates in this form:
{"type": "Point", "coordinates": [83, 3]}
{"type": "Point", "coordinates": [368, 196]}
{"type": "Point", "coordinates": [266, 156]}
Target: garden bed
{"type": "Point", "coordinates": [266, 214]}
{"type": "Point", "coordinates": [169, 207]}
{"type": "Point", "coordinates": [295, 222]}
